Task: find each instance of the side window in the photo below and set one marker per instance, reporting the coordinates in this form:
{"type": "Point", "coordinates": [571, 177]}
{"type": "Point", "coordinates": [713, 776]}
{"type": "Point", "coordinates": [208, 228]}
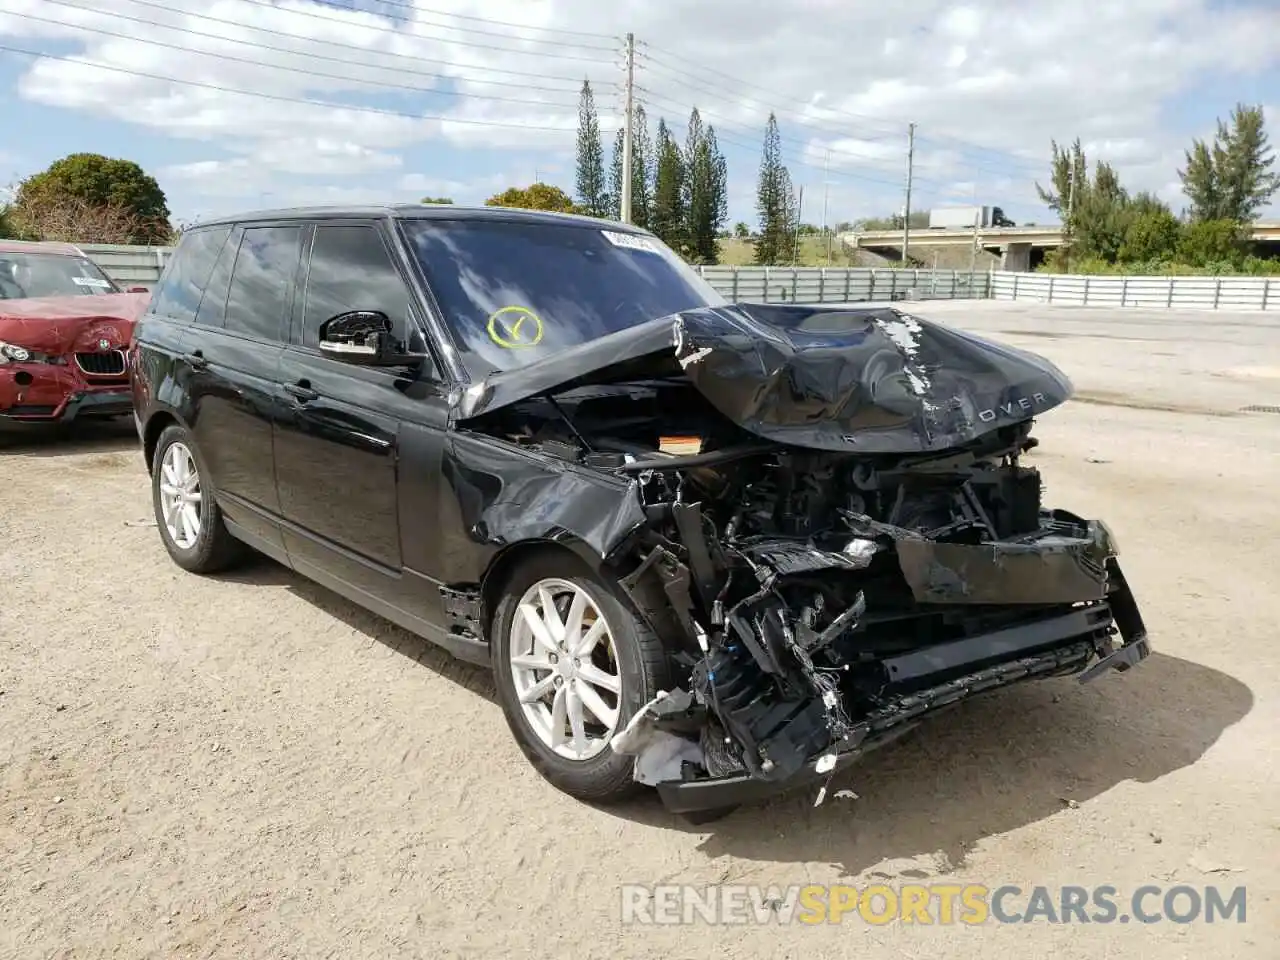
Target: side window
{"type": "Point", "coordinates": [213, 304]}
{"type": "Point", "coordinates": [261, 281]}
{"type": "Point", "coordinates": [352, 270]}
{"type": "Point", "coordinates": [178, 293]}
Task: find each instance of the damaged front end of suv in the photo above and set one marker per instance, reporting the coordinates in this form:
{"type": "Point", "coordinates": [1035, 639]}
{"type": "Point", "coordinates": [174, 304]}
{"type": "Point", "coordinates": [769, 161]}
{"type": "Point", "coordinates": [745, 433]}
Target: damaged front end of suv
{"type": "Point", "coordinates": [827, 516]}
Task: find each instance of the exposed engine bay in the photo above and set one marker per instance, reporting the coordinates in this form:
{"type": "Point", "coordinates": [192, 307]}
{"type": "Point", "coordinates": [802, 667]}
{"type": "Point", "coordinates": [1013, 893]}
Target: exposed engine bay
{"type": "Point", "coordinates": [824, 597]}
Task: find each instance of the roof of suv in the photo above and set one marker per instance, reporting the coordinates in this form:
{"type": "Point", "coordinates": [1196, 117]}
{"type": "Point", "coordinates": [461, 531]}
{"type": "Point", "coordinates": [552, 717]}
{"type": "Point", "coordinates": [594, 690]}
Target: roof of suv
{"type": "Point", "coordinates": [41, 246]}
{"type": "Point", "coordinates": [424, 211]}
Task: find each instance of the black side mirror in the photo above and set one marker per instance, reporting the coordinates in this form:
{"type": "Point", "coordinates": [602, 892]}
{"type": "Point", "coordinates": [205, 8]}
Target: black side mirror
{"type": "Point", "coordinates": [363, 336]}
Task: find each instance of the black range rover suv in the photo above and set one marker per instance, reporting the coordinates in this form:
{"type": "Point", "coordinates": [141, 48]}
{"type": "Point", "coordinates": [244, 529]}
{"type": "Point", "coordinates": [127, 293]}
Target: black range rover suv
{"type": "Point", "coordinates": [719, 549]}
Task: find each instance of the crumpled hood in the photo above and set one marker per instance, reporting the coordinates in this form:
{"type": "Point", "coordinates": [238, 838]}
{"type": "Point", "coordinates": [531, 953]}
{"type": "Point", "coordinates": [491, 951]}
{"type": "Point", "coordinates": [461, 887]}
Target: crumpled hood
{"type": "Point", "coordinates": [863, 379]}
{"type": "Point", "coordinates": [60, 325]}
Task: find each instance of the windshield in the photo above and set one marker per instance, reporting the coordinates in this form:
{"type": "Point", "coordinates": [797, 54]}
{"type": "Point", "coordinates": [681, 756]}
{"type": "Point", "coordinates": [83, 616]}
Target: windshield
{"type": "Point", "coordinates": [24, 275]}
{"type": "Point", "coordinates": [514, 292]}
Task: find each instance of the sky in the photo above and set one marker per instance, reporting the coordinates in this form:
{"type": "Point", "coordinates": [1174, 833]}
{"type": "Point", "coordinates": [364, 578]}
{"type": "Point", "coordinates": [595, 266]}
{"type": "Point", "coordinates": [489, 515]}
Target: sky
{"type": "Point", "coordinates": [236, 105]}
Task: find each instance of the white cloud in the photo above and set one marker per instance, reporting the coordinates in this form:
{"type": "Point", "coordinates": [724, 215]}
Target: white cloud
{"type": "Point", "coordinates": [989, 82]}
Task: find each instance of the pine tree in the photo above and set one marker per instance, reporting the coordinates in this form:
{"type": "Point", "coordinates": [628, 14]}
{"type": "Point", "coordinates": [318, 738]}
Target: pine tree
{"type": "Point", "coordinates": [774, 201]}
{"type": "Point", "coordinates": [592, 192]}
{"type": "Point", "coordinates": [699, 185]}
{"type": "Point", "coordinates": [1067, 164]}
{"type": "Point", "coordinates": [641, 169]}
{"type": "Point", "coordinates": [1233, 180]}
{"type": "Point", "coordinates": [668, 215]}
{"type": "Point", "coordinates": [719, 183]}
{"type": "Point", "coordinates": [615, 177]}
{"type": "Point", "coordinates": [641, 172]}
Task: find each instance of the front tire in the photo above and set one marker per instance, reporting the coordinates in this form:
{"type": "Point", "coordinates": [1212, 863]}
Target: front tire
{"type": "Point", "coordinates": [187, 513]}
{"type": "Point", "coordinates": [574, 664]}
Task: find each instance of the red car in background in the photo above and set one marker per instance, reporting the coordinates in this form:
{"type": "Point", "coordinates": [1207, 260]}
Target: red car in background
{"type": "Point", "coordinates": [64, 329]}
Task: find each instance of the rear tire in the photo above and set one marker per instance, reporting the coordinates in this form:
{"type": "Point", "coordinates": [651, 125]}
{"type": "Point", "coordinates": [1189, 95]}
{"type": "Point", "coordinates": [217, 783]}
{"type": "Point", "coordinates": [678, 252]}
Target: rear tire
{"type": "Point", "coordinates": [186, 510]}
{"type": "Point", "coordinates": [553, 698]}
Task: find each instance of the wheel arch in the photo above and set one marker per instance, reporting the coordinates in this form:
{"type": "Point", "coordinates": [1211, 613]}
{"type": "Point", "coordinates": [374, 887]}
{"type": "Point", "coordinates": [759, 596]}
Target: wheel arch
{"type": "Point", "coordinates": [156, 424]}
{"type": "Point", "coordinates": [511, 556]}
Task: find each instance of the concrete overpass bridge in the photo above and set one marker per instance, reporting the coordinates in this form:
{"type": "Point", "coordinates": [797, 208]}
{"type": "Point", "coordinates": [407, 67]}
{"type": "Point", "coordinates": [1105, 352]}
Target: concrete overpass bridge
{"type": "Point", "coordinates": [1020, 248]}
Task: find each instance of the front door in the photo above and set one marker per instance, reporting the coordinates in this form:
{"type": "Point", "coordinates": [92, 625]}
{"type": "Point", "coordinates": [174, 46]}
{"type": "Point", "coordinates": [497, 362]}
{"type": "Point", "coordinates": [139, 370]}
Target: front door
{"type": "Point", "coordinates": [340, 449]}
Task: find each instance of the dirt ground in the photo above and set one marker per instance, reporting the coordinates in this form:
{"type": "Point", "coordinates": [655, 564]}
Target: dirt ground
{"type": "Point", "coordinates": [248, 766]}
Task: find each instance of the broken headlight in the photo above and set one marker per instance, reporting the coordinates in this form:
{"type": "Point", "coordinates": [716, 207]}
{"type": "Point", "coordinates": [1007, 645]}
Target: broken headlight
{"type": "Point", "coordinates": [13, 352]}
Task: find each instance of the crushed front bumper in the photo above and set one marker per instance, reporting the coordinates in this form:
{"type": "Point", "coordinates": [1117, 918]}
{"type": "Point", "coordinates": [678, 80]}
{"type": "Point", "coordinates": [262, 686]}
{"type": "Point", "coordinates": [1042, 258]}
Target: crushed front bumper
{"type": "Point", "coordinates": [1057, 646]}
{"type": "Point", "coordinates": [35, 396]}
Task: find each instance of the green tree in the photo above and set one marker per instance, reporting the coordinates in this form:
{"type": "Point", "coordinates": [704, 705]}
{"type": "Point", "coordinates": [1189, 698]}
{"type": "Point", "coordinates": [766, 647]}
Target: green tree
{"type": "Point", "coordinates": [1232, 180]}
{"type": "Point", "coordinates": [741, 230]}
{"type": "Point", "coordinates": [436, 200]}
{"type": "Point", "coordinates": [1101, 215]}
{"type": "Point", "coordinates": [1206, 243]}
{"type": "Point", "coordinates": [775, 203]}
{"type": "Point", "coordinates": [537, 196]}
{"type": "Point", "coordinates": [668, 217]}
{"type": "Point", "coordinates": [705, 203]}
{"type": "Point", "coordinates": [1066, 165]}
{"type": "Point", "coordinates": [642, 162]}
{"type": "Point", "coordinates": [1152, 235]}
{"type": "Point", "coordinates": [92, 182]}
{"type": "Point", "coordinates": [8, 229]}
{"type": "Point", "coordinates": [593, 194]}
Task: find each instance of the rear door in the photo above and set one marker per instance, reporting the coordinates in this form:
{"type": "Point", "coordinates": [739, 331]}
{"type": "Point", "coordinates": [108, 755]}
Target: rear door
{"type": "Point", "coordinates": [339, 450]}
{"type": "Point", "coordinates": [234, 349]}
{"type": "Point", "coordinates": [159, 375]}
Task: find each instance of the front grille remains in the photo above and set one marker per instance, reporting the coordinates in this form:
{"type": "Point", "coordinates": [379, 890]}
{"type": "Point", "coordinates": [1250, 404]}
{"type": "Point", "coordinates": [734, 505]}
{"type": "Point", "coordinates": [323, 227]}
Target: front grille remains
{"type": "Point", "coordinates": [107, 364]}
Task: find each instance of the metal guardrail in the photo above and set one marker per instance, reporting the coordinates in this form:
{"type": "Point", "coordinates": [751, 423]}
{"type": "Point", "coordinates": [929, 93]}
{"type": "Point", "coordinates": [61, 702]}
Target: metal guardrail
{"type": "Point", "coordinates": [1204, 293]}
{"type": "Point", "coordinates": [842, 284]}
{"type": "Point", "coordinates": [141, 266]}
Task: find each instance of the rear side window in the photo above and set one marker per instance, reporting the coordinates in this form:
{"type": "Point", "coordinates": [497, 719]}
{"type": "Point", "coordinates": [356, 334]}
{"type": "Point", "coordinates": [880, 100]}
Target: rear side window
{"type": "Point", "coordinates": [214, 302]}
{"type": "Point", "coordinates": [177, 296]}
{"type": "Point", "coordinates": [262, 281]}
{"type": "Point", "coordinates": [352, 270]}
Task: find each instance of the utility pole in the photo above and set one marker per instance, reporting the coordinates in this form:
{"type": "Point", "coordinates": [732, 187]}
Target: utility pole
{"type": "Point", "coordinates": [973, 254]}
{"type": "Point", "coordinates": [795, 244]}
{"type": "Point", "coordinates": [906, 215]}
{"type": "Point", "coordinates": [826, 162]}
{"type": "Point", "coordinates": [625, 212]}
{"type": "Point", "coordinates": [1071, 202]}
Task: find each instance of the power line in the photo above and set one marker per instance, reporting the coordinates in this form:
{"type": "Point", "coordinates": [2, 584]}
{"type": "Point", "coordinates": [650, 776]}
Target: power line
{"type": "Point", "coordinates": [793, 156]}
{"type": "Point", "coordinates": [400, 18]}
{"type": "Point", "coordinates": [689, 80]}
{"type": "Point", "coordinates": [795, 160]}
{"type": "Point", "coordinates": [336, 44]}
{"type": "Point", "coordinates": [280, 98]}
{"type": "Point", "coordinates": [497, 23]}
{"type": "Point", "coordinates": [297, 53]}
{"type": "Point", "coordinates": [383, 84]}
{"type": "Point", "coordinates": [744, 126]}
{"type": "Point", "coordinates": [418, 19]}
{"type": "Point", "coordinates": [663, 56]}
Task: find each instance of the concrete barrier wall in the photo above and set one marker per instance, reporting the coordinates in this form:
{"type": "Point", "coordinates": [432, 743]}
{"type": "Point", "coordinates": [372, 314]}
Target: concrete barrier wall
{"type": "Point", "coordinates": [1202, 293]}
{"type": "Point", "coordinates": [129, 266]}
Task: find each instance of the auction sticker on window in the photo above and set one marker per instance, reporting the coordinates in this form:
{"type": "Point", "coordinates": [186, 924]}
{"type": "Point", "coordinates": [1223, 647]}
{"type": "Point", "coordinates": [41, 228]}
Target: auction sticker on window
{"type": "Point", "coordinates": [630, 241]}
{"type": "Point", "coordinates": [91, 282]}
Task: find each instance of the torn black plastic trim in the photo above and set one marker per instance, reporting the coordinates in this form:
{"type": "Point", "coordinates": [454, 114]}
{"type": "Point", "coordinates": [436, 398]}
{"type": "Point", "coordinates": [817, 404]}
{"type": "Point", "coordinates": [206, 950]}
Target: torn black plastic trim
{"type": "Point", "coordinates": [880, 728]}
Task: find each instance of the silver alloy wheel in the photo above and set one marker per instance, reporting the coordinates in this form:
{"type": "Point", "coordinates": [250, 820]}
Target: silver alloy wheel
{"type": "Point", "coordinates": [180, 496]}
{"type": "Point", "coordinates": [565, 669]}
